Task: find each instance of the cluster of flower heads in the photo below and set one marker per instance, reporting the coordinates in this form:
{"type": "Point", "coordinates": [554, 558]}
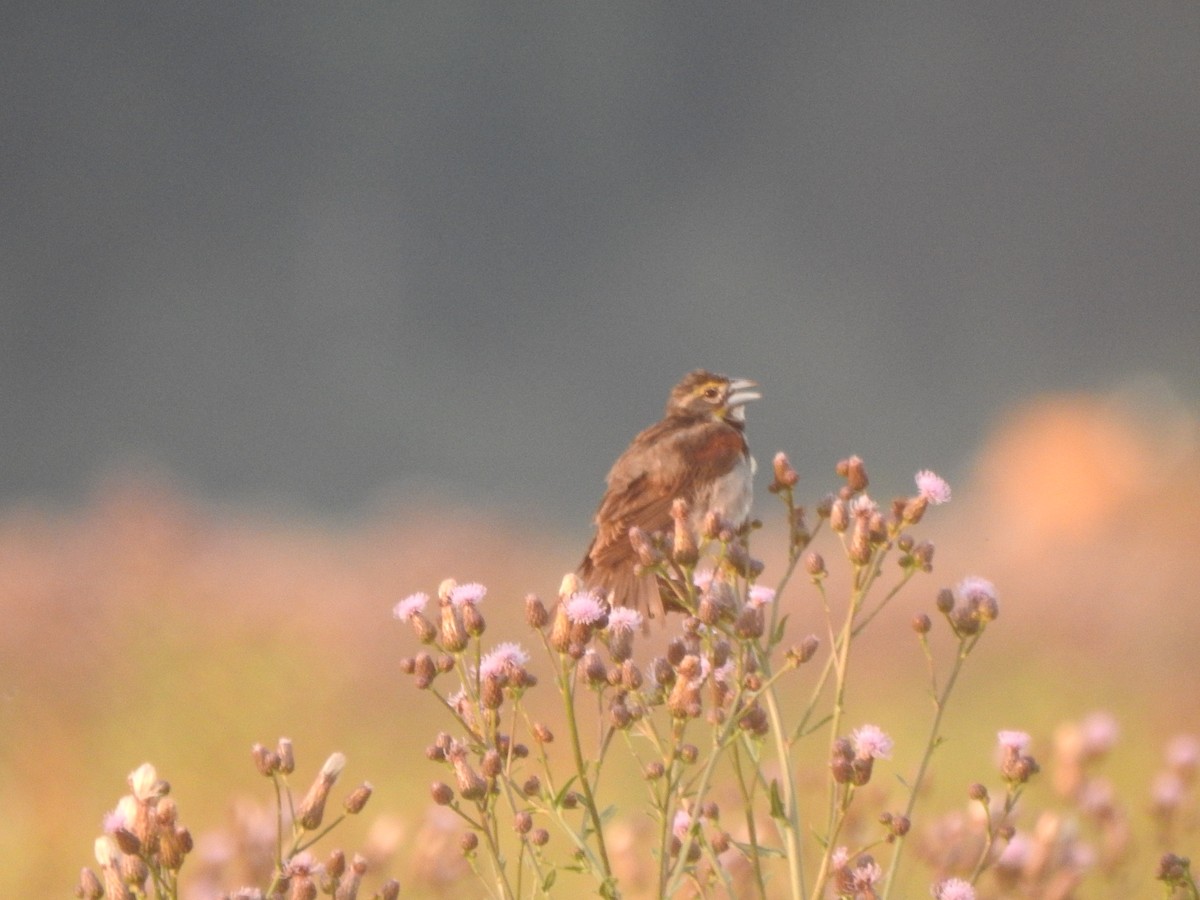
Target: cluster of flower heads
{"type": "Point", "coordinates": [142, 840]}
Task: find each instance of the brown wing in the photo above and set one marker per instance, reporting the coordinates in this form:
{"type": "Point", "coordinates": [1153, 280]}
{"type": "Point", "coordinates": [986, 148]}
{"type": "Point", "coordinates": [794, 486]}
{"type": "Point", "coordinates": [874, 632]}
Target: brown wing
{"type": "Point", "coordinates": [665, 461]}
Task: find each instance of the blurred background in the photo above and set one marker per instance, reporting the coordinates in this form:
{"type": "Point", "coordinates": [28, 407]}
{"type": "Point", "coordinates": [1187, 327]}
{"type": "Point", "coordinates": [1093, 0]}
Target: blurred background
{"type": "Point", "coordinates": [303, 309]}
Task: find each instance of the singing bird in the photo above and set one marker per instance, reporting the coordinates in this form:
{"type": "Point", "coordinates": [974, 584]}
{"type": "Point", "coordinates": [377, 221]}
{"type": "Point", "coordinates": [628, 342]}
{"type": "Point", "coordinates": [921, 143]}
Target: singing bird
{"type": "Point", "coordinates": [698, 452]}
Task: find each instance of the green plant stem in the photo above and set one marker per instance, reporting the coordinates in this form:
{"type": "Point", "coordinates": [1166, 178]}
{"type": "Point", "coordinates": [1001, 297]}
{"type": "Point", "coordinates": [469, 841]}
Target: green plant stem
{"type": "Point", "coordinates": [940, 699]}
{"type": "Point", "coordinates": [791, 832]}
{"type": "Point", "coordinates": [568, 692]}
{"type": "Point", "coordinates": [751, 826]}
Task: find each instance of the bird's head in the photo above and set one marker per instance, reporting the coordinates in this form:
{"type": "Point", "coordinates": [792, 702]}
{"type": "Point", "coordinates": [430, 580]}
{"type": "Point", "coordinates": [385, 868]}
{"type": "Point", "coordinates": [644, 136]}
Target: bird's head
{"type": "Point", "coordinates": [705, 394]}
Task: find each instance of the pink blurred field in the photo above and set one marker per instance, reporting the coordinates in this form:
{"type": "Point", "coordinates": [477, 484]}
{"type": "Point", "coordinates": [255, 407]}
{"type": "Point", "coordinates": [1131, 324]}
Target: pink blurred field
{"type": "Point", "coordinates": [144, 626]}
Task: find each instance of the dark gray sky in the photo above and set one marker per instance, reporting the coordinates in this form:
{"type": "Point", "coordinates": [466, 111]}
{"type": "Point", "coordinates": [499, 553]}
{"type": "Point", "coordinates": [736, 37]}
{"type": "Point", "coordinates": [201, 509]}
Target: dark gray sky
{"type": "Point", "coordinates": [317, 254]}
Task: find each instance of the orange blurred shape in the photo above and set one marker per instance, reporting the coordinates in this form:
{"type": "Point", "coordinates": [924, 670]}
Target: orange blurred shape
{"type": "Point", "coordinates": [1066, 466]}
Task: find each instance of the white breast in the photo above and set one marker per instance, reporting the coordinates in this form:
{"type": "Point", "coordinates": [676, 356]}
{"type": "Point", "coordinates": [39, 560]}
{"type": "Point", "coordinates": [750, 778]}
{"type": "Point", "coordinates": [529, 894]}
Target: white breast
{"type": "Point", "coordinates": [730, 495]}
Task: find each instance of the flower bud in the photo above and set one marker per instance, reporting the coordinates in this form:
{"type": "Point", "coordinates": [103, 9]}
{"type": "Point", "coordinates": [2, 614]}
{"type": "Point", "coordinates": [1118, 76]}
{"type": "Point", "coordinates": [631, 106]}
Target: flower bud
{"type": "Point", "coordinates": [643, 548]}
{"type": "Point", "coordinates": [311, 810]}
{"type": "Point", "coordinates": [536, 615]}
{"type": "Point", "coordinates": [453, 635]}
{"type": "Point", "coordinates": [473, 620]}
{"type": "Point", "coordinates": [684, 550]}
{"type": "Point", "coordinates": [855, 472]}
{"type": "Point", "coordinates": [492, 764]}
{"type": "Point", "coordinates": [839, 516]}
{"type": "Point", "coordinates": [287, 756]}
{"type": "Point", "coordinates": [358, 798]}
{"type": "Point", "coordinates": [422, 628]}
{"type": "Point", "coordinates": [265, 760]}
{"type": "Point", "coordinates": [89, 887]}
{"type": "Point", "coordinates": [785, 476]}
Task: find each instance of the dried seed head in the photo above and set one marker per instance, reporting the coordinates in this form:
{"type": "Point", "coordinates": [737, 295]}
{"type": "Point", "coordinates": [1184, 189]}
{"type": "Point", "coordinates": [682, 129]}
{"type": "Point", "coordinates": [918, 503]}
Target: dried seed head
{"type": "Point", "coordinates": [522, 822]}
{"type": "Point", "coordinates": [921, 623]}
{"type": "Point", "coordinates": [311, 810]}
{"type": "Point", "coordinates": [542, 734]}
{"type": "Point", "coordinates": [540, 837]}
{"type": "Point", "coordinates": [469, 842]}
{"type": "Point", "coordinates": [453, 635]}
{"type": "Point", "coordinates": [532, 786]}
{"type": "Point", "coordinates": [442, 793]}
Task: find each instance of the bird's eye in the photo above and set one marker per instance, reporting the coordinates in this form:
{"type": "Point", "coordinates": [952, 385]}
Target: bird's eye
{"type": "Point", "coordinates": [711, 392]}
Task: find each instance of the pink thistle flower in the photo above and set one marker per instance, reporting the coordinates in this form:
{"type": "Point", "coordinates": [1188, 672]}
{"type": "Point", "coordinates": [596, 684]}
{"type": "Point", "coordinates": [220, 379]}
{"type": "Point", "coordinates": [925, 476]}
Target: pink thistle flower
{"type": "Point", "coordinates": [1183, 753]}
{"type": "Point", "coordinates": [500, 659]}
{"type": "Point", "coordinates": [1100, 732]}
{"type": "Point", "coordinates": [954, 889]}
{"type": "Point", "coordinates": [623, 618]}
{"type": "Point", "coordinates": [864, 506]}
{"type": "Point", "coordinates": [467, 593]}
{"type": "Point", "coordinates": [585, 608]}
{"type": "Point", "coordinates": [1014, 741]}
{"type": "Point", "coordinates": [304, 864]}
{"type": "Point", "coordinates": [413, 603]}
{"type": "Point", "coordinates": [1166, 791]}
{"type": "Point", "coordinates": [932, 487]}
{"type": "Point", "coordinates": [839, 858]}
{"type": "Point", "coordinates": [703, 579]}
{"type": "Point", "coordinates": [760, 596]}
{"type": "Point", "coordinates": [681, 824]}
{"type": "Point", "coordinates": [724, 673]}
{"type": "Point", "coordinates": [979, 588]}
{"type": "Point", "coordinates": [123, 817]}
{"type": "Point", "coordinates": [866, 875]}
{"type": "Point", "coordinates": [871, 742]}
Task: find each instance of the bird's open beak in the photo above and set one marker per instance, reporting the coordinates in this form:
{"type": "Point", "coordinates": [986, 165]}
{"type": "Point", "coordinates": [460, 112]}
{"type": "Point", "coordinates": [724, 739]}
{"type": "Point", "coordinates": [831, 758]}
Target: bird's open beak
{"type": "Point", "coordinates": [741, 392]}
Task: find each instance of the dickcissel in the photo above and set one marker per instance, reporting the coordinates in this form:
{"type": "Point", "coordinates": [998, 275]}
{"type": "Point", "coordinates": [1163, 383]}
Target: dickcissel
{"type": "Point", "coordinates": [698, 452]}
